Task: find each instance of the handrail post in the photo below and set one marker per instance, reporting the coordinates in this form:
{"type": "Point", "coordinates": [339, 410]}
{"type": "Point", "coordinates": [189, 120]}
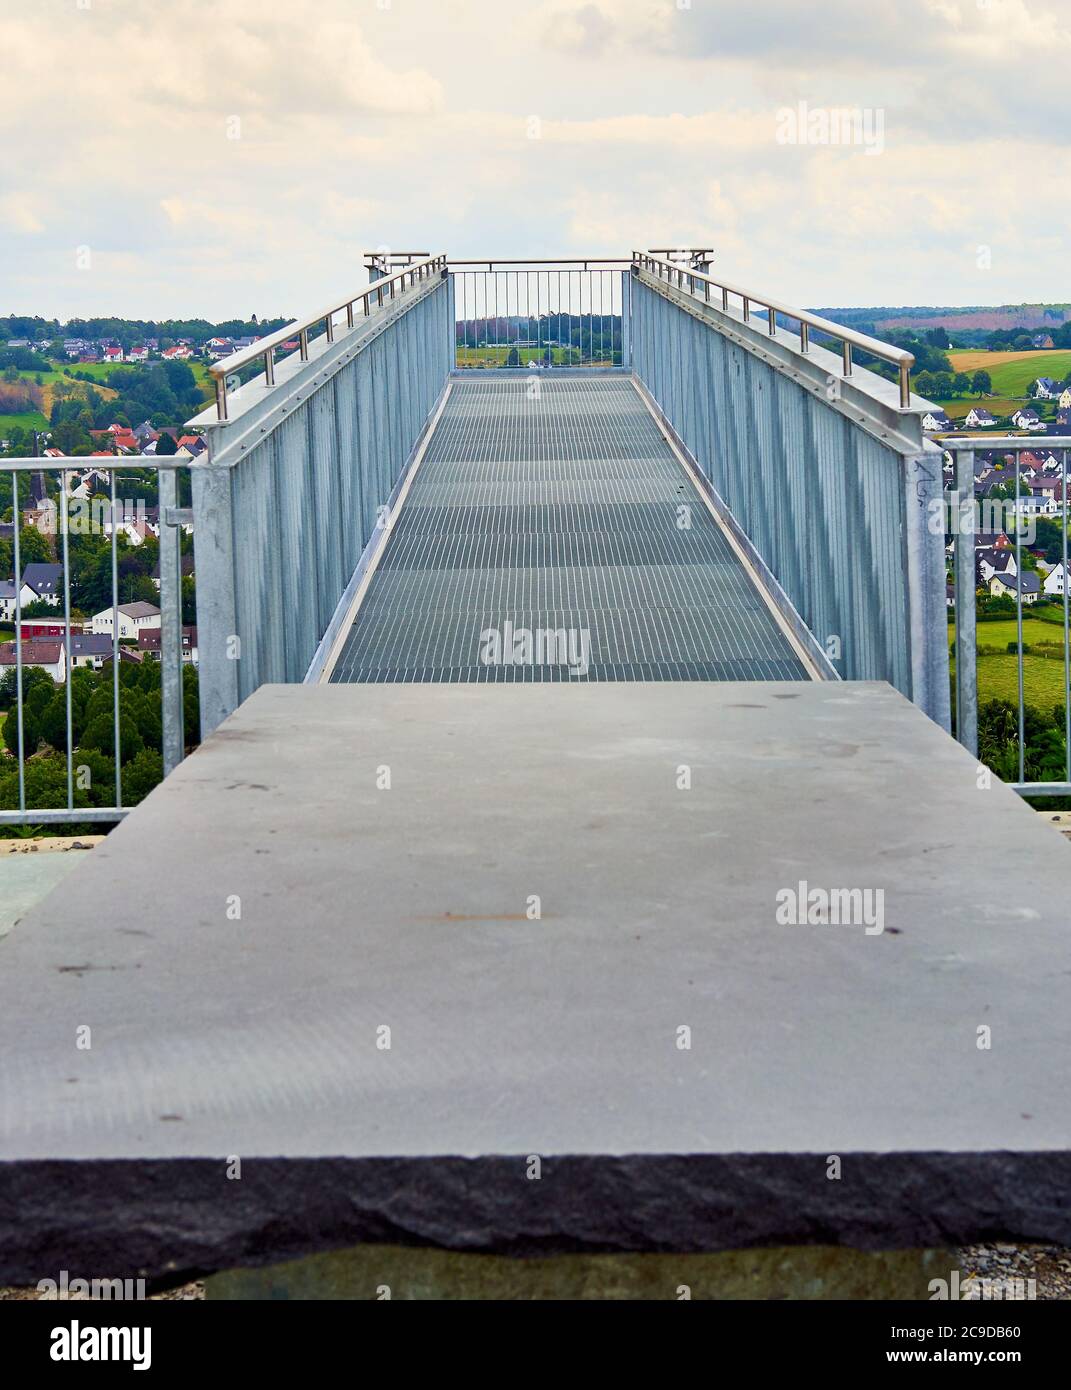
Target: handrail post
{"type": "Point", "coordinates": [966, 643]}
{"type": "Point", "coordinates": [170, 623]}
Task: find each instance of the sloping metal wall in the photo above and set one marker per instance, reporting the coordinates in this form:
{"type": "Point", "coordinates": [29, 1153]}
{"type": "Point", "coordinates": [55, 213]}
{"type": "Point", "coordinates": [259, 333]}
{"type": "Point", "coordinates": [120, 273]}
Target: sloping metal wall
{"type": "Point", "coordinates": [821, 499]}
{"type": "Point", "coordinates": [291, 495]}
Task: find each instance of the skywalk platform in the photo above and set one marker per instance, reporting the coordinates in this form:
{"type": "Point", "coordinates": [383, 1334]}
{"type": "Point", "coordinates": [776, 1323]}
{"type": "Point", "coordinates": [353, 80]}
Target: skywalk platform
{"type": "Point", "coordinates": [546, 504]}
{"type": "Point", "coordinates": [565, 910]}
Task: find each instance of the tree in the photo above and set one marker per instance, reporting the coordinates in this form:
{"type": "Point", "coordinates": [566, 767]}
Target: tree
{"type": "Point", "coordinates": [513, 357]}
{"type": "Point", "coordinates": [166, 446]}
{"type": "Point", "coordinates": [942, 386]}
{"type": "Point", "coordinates": [961, 384]}
{"type": "Point", "coordinates": [981, 384]}
{"type": "Point", "coordinates": [33, 546]}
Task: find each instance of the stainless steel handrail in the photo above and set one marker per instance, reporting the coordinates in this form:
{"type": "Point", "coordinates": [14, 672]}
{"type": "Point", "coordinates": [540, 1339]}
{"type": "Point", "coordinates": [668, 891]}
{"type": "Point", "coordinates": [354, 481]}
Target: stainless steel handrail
{"type": "Point", "coordinates": [171, 694]}
{"type": "Point", "coordinates": [1002, 441]}
{"type": "Point", "coordinates": [964, 525]}
{"type": "Point", "coordinates": [585, 262]}
{"type": "Point", "coordinates": [263, 349]}
{"type": "Point", "coordinates": [675, 274]}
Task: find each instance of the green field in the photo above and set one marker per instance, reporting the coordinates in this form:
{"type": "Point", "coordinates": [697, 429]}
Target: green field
{"type": "Point", "coordinates": [1012, 372]}
{"type": "Point", "coordinates": [1043, 680]}
{"type": "Point", "coordinates": [495, 356]}
{"type": "Point", "coordinates": [28, 420]}
{"type": "Point", "coordinates": [1043, 674]}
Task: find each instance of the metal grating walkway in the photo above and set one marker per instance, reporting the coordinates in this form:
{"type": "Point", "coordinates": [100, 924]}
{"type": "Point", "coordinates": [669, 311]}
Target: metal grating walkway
{"type": "Point", "coordinates": [542, 540]}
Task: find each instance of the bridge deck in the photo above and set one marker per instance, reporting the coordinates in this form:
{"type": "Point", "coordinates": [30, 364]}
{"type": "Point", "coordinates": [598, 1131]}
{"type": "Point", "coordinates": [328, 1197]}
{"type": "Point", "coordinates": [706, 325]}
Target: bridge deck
{"type": "Point", "coordinates": [557, 507]}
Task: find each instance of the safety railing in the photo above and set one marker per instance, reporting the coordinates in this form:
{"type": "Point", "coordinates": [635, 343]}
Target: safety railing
{"type": "Point", "coordinates": [59, 517]}
{"type": "Point", "coordinates": [381, 292]}
{"type": "Point", "coordinates": [304, 462]}
{"type": "Point", "coordinates": [695, 282]}
{"type": "Point", "coordinates": [1041, 676]}
{"type": "Point", "coordinates": [534, 314]}
{"type": "Point", "coordinates": [825, 478]}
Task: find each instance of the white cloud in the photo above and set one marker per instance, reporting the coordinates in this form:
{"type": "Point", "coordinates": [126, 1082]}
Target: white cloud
{"type": "Point", "coordinates": [358, 126]}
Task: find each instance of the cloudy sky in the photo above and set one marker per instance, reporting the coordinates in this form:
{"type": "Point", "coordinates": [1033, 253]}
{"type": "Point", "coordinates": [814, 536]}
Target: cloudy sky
{"type": "Point", "coordinates": [223, 157]}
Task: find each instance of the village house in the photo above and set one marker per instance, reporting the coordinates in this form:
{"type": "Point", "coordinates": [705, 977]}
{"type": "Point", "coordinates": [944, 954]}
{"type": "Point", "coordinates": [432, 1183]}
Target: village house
{"type": "Point", "coordinates": [934, 419]}
{"type": "Point", "coordinates": [8, 600]}
{"type": "Point", "coordinates": [979, 418]}
{"type": "Point", "coordinates": [49, 655]}
{"type": "Point", "coordinates": [42, 583]}
{"type": "Point", "coordinates": [133, 618]}
{"type": "Point", "coordinates": [1045, 389]}
{"type": "Point", "coordinates": [91, 650]}
{"type": "Point", "coordinates": [1026, 418]}
{"type": "Point", "coordinates": [149, 644]}
{"type": "Point", "coordinates": [1055, 582]}
{"type": "Point", "coordinates": [1004, 584]}
{"type": "Point", "coordinates": [988, 563]}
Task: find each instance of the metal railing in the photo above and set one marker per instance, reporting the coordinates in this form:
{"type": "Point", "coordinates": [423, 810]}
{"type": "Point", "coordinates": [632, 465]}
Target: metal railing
{"type": "Point", "coordinates": [693, 281]}
{"type": "Point", "coordinates": [381, 292]}
{"type": "Point", "coordinates": [540, 313]}
{"type": "Point", "coordinates": [293, 494]}
{"type": "Point", "coordinates": [825, 483]}
{"type": "Point", "coordinates": [111, 513]}
{"type": "Point", "coordinates": [963, 527]}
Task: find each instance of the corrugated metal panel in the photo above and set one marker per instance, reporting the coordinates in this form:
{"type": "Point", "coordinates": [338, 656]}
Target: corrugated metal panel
{"type": "Point", "coordinates": [559, 511]}
{"type": "Point", "coordinates": [820, 498]}
{"type": "Point", "coordinates": [304, 500]}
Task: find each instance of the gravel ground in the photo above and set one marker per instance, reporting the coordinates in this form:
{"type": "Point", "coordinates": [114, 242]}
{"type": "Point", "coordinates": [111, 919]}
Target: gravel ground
{"type": "Point", "coordinates": [185, 1292]}
{"type": "Point", "coordinates": [1048, 1265]}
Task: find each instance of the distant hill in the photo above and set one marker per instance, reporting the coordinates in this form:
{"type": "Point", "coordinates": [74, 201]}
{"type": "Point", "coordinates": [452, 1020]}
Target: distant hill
{"type": "Point", "coordinates": [979, 318]}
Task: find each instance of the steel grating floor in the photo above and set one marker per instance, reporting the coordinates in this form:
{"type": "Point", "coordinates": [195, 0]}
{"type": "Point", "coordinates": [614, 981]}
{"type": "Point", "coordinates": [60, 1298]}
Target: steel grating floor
{"type": "Point", "coordinates": [542, 540]}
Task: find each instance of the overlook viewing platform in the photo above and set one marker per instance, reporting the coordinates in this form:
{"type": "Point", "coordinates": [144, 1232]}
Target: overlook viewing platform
{"type": "Point", "coordinates": [537, 973]}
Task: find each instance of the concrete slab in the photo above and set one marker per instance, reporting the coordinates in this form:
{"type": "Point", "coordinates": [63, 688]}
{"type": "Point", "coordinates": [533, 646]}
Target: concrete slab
{"type": "Point", "coordinates": [28, 874]}
{"type": "Point", "coordinates": [239, 944]}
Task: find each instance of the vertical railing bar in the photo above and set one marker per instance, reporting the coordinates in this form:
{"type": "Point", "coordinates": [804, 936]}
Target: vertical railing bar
{"type": "Point", "coordinates": [805, 338]}
{"type": "Point", "coordinates": [965, 636]}
{"type": "Point", "coordinates": [16, 526]}
{"type": "Point", "coordinates": [115, 646]}
{"type": "Point", "coordinates": [67, 636]}
{"type": "Point", "coordinates": [1019, 620]}
{"type": "Point", "coordinates": [1067, 636]}
{"type": "Point", "coordinates": [846, 357]}
{"type": "Point", "coordinates": [172, 743]}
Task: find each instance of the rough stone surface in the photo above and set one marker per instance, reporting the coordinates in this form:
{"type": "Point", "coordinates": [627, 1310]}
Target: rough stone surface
{"type": "Point", "coordinates": [215, 1036]}
{"type": "Point", "coordinates": [377, 1272]}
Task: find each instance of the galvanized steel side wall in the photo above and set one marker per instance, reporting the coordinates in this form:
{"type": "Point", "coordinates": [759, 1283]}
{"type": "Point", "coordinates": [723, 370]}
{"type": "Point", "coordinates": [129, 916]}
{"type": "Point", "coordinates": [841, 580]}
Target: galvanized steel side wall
{"type": "Point", "coordinates": [303, 504]}
{"type": "Point", "coordinates": [820, 498]}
